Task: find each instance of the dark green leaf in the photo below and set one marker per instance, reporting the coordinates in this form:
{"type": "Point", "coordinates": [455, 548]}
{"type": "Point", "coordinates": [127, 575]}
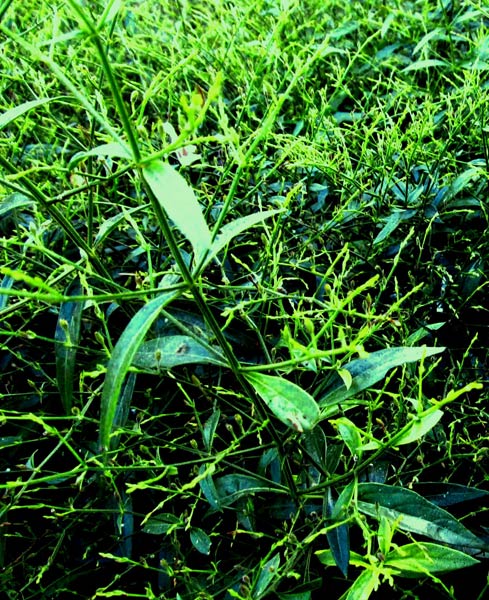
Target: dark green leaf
{"type": "Point", "coordinates": [67, 336]}
{"type": "Point", "coordinates": [200, 540]}
{"type": "Point", "coordinates": [339, 543]}
{"type": "Point", "coordinates": [162, 523]}
{"type": "Point", "coordinates": [448, 494]}
{"type": "Point", "coordinates": [231, 487]}
{"type": "Point", "coordinates": [414, 513]}
{"type": "Point", "coordinates": [210, 429]}
{"type": "Point", "coordinates": [268, 573]}
{"type": "Point", "coordinates": [367, 372]}
{"type": "Point", "coordinates": [121, 359]}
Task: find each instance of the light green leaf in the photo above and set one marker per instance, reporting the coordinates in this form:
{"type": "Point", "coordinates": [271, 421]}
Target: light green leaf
{"type": "Point", "coordinates": [425, 64]}
{"type": "Point", "coordinates": [174, 350]}
{"type": "Point", "coordinates": [12, 114]}
{"type": "Point", "coordinates": [414, 513]}
{"type": "Point", "coordinates": [413, 431]}
{"type": "Point", "coordinates": [200, 540]}
{"type": "Point", "coordinates": [111, 150]}
{"type": "Point", "coordinates": [287, 401]}
{"type": "Point", "coordinates": [363, 586]}
{"type": "Point", "coordinates": [121, 359]}
{"type": "Point", "coordinates": [411, 560]}
{"type": "Point", "coordinates": [419, 426]}
{"type": "Point", "coordinates": [350, 434]}
{"type": "Point", "coordinates": [234, 228]}
{"type": "Point", "coordinates": [366, 372]}
{"type": "Point", "coordinates": [13, 201]}
{"type": "Point", "coordinates": [180, 203]}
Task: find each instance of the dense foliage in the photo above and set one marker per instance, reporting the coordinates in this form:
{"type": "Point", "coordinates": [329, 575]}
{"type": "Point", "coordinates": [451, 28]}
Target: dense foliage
{"type": "Point", "coordinates": [243, 306]}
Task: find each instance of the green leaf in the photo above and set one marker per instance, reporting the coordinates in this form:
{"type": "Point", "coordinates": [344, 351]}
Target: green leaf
{"type": "Point", "coordinates": [162, 524]}
{"type": "Point", "coordinates": [174, 350]}
{"type": "Point", "coordinates": [350, 434]}
{"type": "Point", "coordinates": [209, 429]}
{"type": "Point", "coordinates": [121, 359]}
{"type": "Point", "coordinates": [339, 537]}
{"type": "Point", "coordinates": [234, 228]}
{"type": "Point", "coordinates": [209, 489]}
{"type": "Point", "coordinates": [111, 150]}
{"type": "Point", "coordinates": [411, 560]}
{"type": "Point", "coordinates": [6, 284]}
{"type": "Point", "coordinates": [13, 201]}
{"type": "Point", "coordinates": [339, 543]}
{"type": "Point", "coordinates": [67, 335]}
{"type": "Point", "coordinates": [12, 114]}
{"type": "Point", "coordinates": [123, 408]}
{"type": "Point", "coordinates": [268, 573]}
{"type": "Point", "coordinates": [392, 222]}
{"type": "Point", "coordinates": [366, 372]}
{"type": "Point", "coordinates": [419, 426]}
{"type": "Point", "coordinates": [180, 203]}
{"type": "Point", "coordinates": [200, 540]}
{"type": "Point", "coordinates": [232, 487]}
{"type": "Point", "coordinates": [448, 494]}
{"type": "Point", "coordinates": [425, 64]}
{"type": "Point", "coordinates": [414, 513]}
{"type": "Point", "coordinates": [363, 586]}
{"type": "Point", "coordinates": [287, 401]}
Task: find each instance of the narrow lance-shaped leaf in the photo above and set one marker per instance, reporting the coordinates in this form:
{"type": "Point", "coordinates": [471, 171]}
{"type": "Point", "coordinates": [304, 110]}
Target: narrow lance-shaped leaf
{"type": "Point", "coordinates": [413, 560]}
{"type": "Point", "coordinates": [180, 203]}
{"type": "Point", "coordinates": [14, 201]}
{"type": "Point", "coordinates": [414, 513]}
{"type": "Point", "coordinates": [339, 537]}
{"type": "Point", "coordinates": [368, 371]}
{"type": "Point", "coordinates": [17, 111]}
{"type": "Point", "coordinates": [234, 228]}
{"type": "Point", "coordinates": [67, 335]}
{"type": "Point", "coordinates": [268, 573]}
{"type": "Point", "coordinates": [121, 359]}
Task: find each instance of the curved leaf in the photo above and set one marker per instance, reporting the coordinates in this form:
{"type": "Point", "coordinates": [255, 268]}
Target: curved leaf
{"type": "Point", "coordinates": [366, 372]}
{"type": "Point", "coordinates": [288, 402]}
{"type": "Point", "coordinates": [67, 335]}
{"type": "Point", "coordinates": [413, 560]}
{"type": "Point", "coordinates": [414, 513]}
{"type": "Point", "coordinates": [268, 573]}
{"type": "Point", "coordinates": [121, 359]}
{"type": "Point", "coordinates": [174, 350]}
{"type": "Point", "coordinates": [180, 203]}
